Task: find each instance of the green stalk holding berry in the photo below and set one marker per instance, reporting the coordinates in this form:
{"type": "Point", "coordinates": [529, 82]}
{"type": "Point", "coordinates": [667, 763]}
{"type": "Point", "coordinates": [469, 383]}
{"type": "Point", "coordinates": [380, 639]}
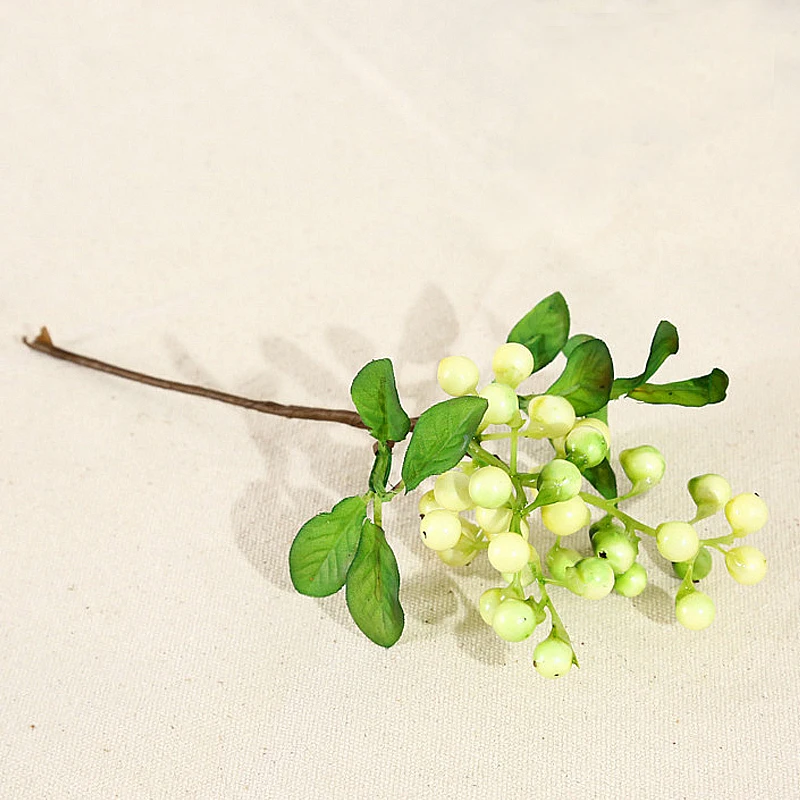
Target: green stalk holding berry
{"type": "Point", "coordinates": [482, 503]}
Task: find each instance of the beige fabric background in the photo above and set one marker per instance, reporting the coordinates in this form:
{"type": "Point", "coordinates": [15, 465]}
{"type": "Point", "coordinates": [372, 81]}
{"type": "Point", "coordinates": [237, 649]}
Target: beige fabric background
{"type": "Point", "coordinates": [263, 196]}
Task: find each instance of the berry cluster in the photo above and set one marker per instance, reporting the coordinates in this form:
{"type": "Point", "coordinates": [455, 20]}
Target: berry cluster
{"type": "Point", "coordinates": [486, 495]}
{"type": "Point", "coordinates": [487, 504]}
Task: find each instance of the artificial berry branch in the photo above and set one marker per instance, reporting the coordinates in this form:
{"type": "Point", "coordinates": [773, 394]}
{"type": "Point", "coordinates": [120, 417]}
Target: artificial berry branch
{"type": "Point", "coordinates": [481, 503]}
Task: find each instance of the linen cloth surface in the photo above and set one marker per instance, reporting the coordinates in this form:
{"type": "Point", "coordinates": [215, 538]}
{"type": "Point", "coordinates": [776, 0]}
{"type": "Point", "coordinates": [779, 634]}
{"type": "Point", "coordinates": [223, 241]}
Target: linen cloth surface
{"type": "Point", "coordinates": [262, 197]}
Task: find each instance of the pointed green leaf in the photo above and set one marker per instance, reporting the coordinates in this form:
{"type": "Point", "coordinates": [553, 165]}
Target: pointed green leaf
{"type": "Point", "coordinates": [694, 392]}
{"type": "Point", "coordinates": [663, 345]}
{"type": "Point", "coordinates": [441, 437]}
{"type": "Point", "coordinates": [587, 378]}
{"type": "Point", "coordinates": [325, 546]}
{"type": "Point", "coordinates": [543, 330]}
{"type": "Point", "coordinates": [380, 469]}
{"type": "Point", "coordinates": [373, 586]}
{"type": "Point", "coordinates": [603, 479]}
{"type": "Point", "coordinates": [375, 397]}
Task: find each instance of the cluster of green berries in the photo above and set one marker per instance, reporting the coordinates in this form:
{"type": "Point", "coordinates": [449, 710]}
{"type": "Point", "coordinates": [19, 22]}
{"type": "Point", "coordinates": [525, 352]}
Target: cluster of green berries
{"type": "Point", "coordinates": [488, 504]}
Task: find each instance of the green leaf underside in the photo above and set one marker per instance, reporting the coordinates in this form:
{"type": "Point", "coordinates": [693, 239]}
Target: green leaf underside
{"type": "Point", "coordinates": [603, 479]}
{"type": "Point", "coordinates": [374, 394]}
{"type": "Point", "coordinates": [663, 345]}
{"type": "Point", "coordinates": [373, 587]}
{"type": "Point", "coordinates": [440, 438]}
{"type": "Point", "coordinates": [543, 330]}
{"type": "Point", "coordinates": [587, 377]}
{"type": "Point", "coordinates": [380, 469]}
{"type": "Point", "coordinates": [695, 392]}
{"type": "Point", "coordinates": [325, 546]}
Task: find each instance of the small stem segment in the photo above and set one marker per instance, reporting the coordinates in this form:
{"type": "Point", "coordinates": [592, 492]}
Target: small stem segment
{"type": "Point", "coordinates": [44, 344]}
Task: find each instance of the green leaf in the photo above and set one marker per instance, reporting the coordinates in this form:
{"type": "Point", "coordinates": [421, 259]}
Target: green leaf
{"type": "Point", "coordinates": [441, 437]}
{"type": "Point", "coordinates": [587, 378]}
{"type": "Point", "coordinates": [543, 330]}
{"type": "Point", "coordinates": [380, 469]}
{"type": "Point", "coordinates": [574, 341]}
{"type": "Point", "coordinates": [694, 392]}
{"type": "Point", "coordinates": [375, 397]}
{"type": "Point", "coordinates": [664, 345]}
{"type": "Point", "coordinates": [373, 586]}
{"type": "Point", "coordinates": [325, 546]}
{"type": "Point", "coordinates": [603, 479]}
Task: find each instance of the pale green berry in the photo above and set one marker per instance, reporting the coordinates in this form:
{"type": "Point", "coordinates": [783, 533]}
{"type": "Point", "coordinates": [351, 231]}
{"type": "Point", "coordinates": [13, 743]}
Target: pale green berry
{"type": "Point", "coordinates": [643, 465]}
{"type": "Point", "coordinates": [493, 520]}
{"type": "Point", "coordinates": [631, 583]}
{"type": "Point", "coordinates": [598, 425]}
{"type": "Point", "coordinates": [592, 578]}
{"type": "Point", "coordinates": [677, 541]}
{"type": "Point", "coordinates": [746, 513]}
{"type": "Point", "coordinates": [552, 657]}
{"type": "Point", "coordinates": [710, 492]}
{"type": "Point", "coordinates": [567, 517]}
{"type": "Point", "coordinates": [560, 478]}
{"type": "Point", "coordinates": [491, 599]}
{"type": "Point", "coordinates": [514, 620]}
{"type": "Point", "coordinates": [746, 565]}
{"type": "Point", "coordinates": [550, 416]}
{"type": "Point", "coordinates": [502, 401]}
{"type": "Point", "coordinates": [616, 547]}
{"type": "Point", "coordinates": [461, 554]}
{"type": "Point", "coordinates": [585, 446]}
{"type": "Point", "coordinates": [508, 552]}
{"type": "Point", "coordinates": [512, 363]}
{"type": "Point", "coordinates": [457, 375]}
{"type": "Point", "coordinates": [451, 491]}
{"type": "Point", "coordinates": [694, 610]}
{"type": "Point", "coordinates": [524, 531]}
{"type": "Point", "coordinates": [559, 558]}
{"type": "Point", "coordinates": [700, 567]}
{"type": "Point", "coordinates": [427, 503]}
{"type": "Point", "coordinates": [440, 529]}
{"type": "Point", "coordinates": [490, 487]}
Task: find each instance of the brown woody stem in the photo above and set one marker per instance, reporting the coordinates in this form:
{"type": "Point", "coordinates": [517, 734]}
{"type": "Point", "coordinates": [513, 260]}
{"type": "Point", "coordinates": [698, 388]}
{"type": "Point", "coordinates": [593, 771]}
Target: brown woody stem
{"type": "Point", "coordinates": [44, 344]}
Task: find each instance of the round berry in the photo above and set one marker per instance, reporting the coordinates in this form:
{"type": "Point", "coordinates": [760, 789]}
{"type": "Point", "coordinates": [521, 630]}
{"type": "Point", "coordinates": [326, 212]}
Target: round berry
{"type": "Point", "coordinates": [451, 491]}
{"type": "Point", "coordinates": [631, 583]}
{"type": "Point", "coordinates": [512, 363]}
{"type": "Point", "coordinates": [643, 465]}
{"type": "Point", "coordinates": [561, 477]}
{"type": "Point", "coordinates": [559, 558]}
{"type": "Point", "coordinates": [615, 546]}
{"type": "Point", "coordinates": [508, 552]}
{"type": "Point", "coordinates": [591, 578]}
{"type": "Point", "coordinates": [490, 487]}
{"type": "Point", "coordinates": [746, 513]}
{"type": "Point", "coordinates": [598, 425]}
{"type": "Point", "coordinates": [491, 599]}
{"type": "Point", "coordinates": [694, 610]}
{"type": "Point", "coordinates": [514, 620]}
{"type": "Point", "coordinates": [677, 541]}
{"type": "Point", "coordinates": [710, 492]}
{"type": "Point", "coordinates": [427, 503]}
{"type": "Point", "coordinates": [552, 657]}
{"type": "Point", "coordinates": [457, 375]}
{"type": "Point", "coordinates": [585, 446]}
{"type": "Point", "coordinates": [700, 567]}
{"type": "Point", "coordinates": [502, 403]}
{"type": "Point", "coordinates": [746, 565]}
{"type": "Point", "coordinates": [440, 529]}
{"type": "Point", "coordinates": [461, 554]}
{"type": "Point", "coordinates": [493, 520]}
{"type": "Point", "coordinates": [550, 417]}
{"type": "Point", "coordinates": [566, 517]}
